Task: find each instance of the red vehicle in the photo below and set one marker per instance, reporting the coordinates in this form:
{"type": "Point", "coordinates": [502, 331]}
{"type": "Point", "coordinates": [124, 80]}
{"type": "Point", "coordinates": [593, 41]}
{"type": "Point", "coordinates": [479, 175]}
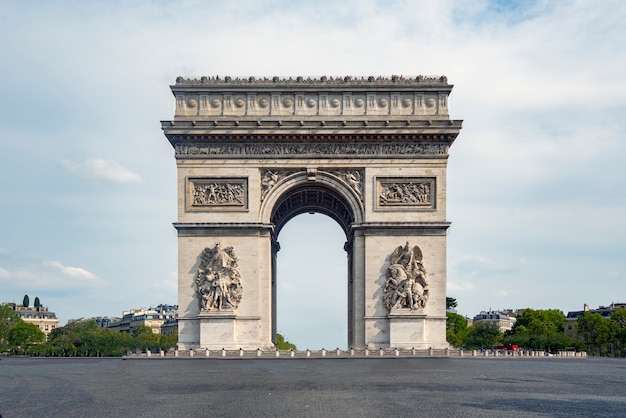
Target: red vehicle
{"type": "Point", "coordinates": [510, 347]}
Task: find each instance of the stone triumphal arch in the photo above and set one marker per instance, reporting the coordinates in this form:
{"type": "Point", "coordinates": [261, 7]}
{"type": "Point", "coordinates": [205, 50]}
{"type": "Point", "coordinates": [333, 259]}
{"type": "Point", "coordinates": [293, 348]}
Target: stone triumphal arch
{"type": "Point", "coordinates": [371, 153]}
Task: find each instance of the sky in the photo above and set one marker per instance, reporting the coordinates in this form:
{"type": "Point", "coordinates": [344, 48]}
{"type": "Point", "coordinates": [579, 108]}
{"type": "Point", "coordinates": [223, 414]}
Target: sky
{"type": "Point", "coordinates": [536, 181]}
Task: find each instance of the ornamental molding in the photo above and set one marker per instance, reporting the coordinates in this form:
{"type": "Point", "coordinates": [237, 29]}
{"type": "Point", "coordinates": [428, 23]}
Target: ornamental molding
{"type": "Point", "coordinates": [406, 287]}
{"type": "Point", "coordinates": [218, 282]}
{"type": "Point", "coordinates": [209, 193]}
{"type": "Point", "coordinates": [405, 193]}
{"type": "Point", "coordinates": [286, 104]}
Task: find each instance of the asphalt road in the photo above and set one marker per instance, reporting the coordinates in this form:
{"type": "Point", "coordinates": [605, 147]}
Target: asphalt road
{"type": "Point", "coordinates": [375, 387]}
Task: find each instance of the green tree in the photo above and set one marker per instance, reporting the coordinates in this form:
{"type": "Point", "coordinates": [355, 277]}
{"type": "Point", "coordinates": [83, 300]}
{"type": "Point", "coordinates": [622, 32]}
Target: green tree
{"type": "Point", "coordinates": [456, 329]}
{"type": "Point", "coordinates": [145, 339]}
{"type": "Point", "coordinates": [281, 344]}
{"type": "Point", "coordinates": [87, 339]}
{"type": "Point", "coordinates": [618, 317]}
{"type": "Point", "coordinates": [24, 336]}
{"type": "Point", "coordinates": [482, 335]}
{"type": "Point", "coordinates": [25, 301]}
{"type": "Point", "coordinates": [539, 330]}
{"type": "Point", "coordinates": [595, 331]}
{"type": "Point", "coordinates": [61, 341]}
{"type": "Point", "coordinates": [168, 341]}
{"type": "Point", "coordinates": [36, 303]}
{"type": "Point", "coordinates": [451, 303]}
{"type": "Point", "coordinates": [8, 319]}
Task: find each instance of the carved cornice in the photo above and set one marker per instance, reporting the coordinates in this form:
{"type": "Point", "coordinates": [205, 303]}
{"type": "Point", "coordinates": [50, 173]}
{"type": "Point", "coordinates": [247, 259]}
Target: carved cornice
{"type": "Point", "coordinates": [401, 228]}
{"type": "Point", "coordinates": [347, 126]}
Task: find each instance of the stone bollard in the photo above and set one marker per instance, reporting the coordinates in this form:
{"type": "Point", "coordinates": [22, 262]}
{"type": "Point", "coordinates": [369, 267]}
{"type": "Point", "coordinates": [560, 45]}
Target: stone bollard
{"type": "Point", "coordinates": [473, 353]}
{"type": "Point", "coordinates": [367, 352]}
{"type": "Point", "coordinates": [497, 353]}
{"type": "Point", "coordinates": [338, 352]}
{"type": "Point", "coordinates": [162, 353]}
{"type": "Point", "coordinates": [430, 351]}
{"type": "Point", "coordinates": [292, 353]}
{"type": "Point", "coordinates": [486, 353]}
{"type": "Point", "coordinates": [148, 353]}
{"type": "Point", "coordinates": [308, 352]}
{"type": "Point", "coordinates": [207, 352]}
{"type": "Point", "coordinates": [461, 352]}
{"type": "Point", "coordinates": [413, 351]}
{"type": "Point", "coordinates": [323, 352]}
{"type": "Point", "coordinates": [351, 352]}
{"type": "Point", "coordinates": [277, 353]}
{"type": "Point", "coordinates": [396, 352]}
{"type": "Point", "coordinates": [241, 352]}
{"type": "Point", "coordinates": [191, 352]}
{"type": "Point", "coordinates": [258, 352]}
{"type": "Point", "coordinates": [381, 352]}
{"type": "Point", "coordinates": [447, 352]}
{"type": "Point", "coordinates": [175, 353]}
{"type": "Point", "coordinates": [223, 352]}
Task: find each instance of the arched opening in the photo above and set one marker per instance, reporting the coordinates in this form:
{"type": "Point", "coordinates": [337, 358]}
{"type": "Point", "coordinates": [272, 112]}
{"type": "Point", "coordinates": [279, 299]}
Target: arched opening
{"type": "Point", "coordinates": [317, 267]}
{"type": "Point", "coordinates": [311, 286]}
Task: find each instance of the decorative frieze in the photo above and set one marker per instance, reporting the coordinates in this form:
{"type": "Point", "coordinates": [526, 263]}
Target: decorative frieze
{"type": "Point", "coordinates": [217, 193]}
{"type": "Point", "coordinates": [218, 281]}
{"type": "Point", "coordinates": [310, 150]}
{"type": "Point", "coordinates": [406, 286]}
{"type": "Point", "coordinates": [405, 193]}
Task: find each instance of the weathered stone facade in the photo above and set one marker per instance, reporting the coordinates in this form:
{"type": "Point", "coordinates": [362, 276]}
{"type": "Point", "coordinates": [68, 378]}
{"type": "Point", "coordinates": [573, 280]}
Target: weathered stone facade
{"type": "Point", "coordinates": [371, 153]}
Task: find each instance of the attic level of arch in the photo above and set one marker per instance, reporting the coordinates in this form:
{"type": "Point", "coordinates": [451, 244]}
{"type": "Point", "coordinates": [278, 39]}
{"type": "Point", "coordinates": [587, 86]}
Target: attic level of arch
{"type": "Point", "coordinates": [351, 100]}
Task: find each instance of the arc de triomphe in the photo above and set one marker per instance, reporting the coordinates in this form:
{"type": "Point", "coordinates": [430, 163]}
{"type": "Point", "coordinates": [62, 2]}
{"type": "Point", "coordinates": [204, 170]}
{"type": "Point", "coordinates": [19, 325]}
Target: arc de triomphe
{"type": "Point", "coordinates": [371, 153]}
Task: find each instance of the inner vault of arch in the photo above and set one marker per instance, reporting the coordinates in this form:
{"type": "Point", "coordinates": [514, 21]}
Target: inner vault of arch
{"type": "Point", "coordinates": [305, 196]}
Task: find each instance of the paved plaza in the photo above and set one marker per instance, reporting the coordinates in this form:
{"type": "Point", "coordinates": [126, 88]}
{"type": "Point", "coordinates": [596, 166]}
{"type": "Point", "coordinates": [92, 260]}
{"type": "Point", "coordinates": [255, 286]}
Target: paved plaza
{"type": "Point", "coordinates": [375, 387]}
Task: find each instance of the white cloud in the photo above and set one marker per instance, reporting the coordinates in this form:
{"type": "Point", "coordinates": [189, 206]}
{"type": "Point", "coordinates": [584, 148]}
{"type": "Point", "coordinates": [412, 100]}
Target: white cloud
{"type": "Point", "coordinates": [461, 287]}
{"type": "Point", "coordinates": [477, 266]}
{"type": "Point", "coordinates": [16, 274]}
{"type": "Point", "coordinates": [100, 169]}
{"type": "Point", "coordinates": [73, 272]}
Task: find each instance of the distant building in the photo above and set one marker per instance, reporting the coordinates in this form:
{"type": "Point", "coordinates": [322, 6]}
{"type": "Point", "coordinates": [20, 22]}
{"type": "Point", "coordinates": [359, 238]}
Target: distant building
{"type": "Point", "coordinates": [102, 321]}
{"type": "Point", "coordinates": [571, 320]}
{"type": "Point", "coordinates": [45, 320]}
{"type": "Point", "coordinates": [170, 326]}
{"type": "Point", "coordinates": [152, 318]}
{"type": "Point", "coordinates": [504, 320]}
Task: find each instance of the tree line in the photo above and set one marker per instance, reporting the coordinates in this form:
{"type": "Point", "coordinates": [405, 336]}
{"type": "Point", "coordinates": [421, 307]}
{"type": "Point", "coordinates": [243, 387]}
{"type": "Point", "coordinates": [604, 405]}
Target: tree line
{"type": "Point", "coordinates": [544, 330]}
{"type": "Point", "coordinates": [79, 339]}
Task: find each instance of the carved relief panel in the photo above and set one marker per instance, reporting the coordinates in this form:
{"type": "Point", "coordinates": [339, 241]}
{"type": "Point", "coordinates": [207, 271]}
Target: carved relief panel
{"type": "Point", "coordinates": [205, 194]}
{"type": "Point", "coordinates": [405, 193]}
